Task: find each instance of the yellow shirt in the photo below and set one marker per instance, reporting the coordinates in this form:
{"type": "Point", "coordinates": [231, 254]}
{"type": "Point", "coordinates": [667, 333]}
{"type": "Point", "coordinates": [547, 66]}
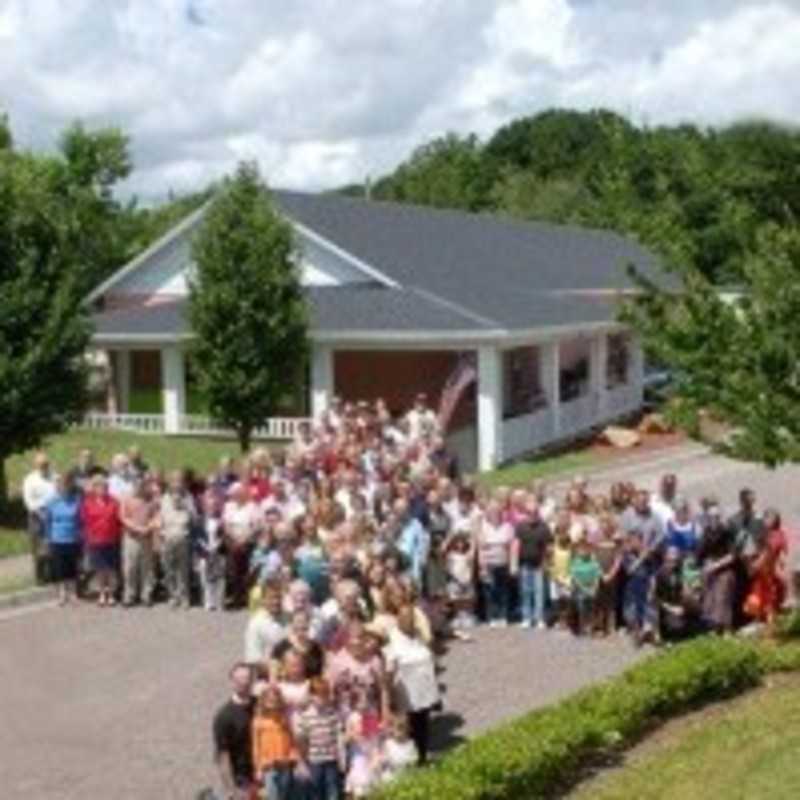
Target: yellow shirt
{"type": "Point", "coordinates": [559, 567]}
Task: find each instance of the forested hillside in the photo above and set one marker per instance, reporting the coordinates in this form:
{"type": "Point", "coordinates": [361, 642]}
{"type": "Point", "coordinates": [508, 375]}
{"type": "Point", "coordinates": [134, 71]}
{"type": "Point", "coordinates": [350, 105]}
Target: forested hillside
{"type": "Point", "coordinates": [701, 197]}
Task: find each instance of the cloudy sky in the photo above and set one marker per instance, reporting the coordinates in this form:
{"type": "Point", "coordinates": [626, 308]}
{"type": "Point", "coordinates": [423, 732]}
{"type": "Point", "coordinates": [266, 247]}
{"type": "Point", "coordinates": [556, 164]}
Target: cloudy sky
{"type": "Point", "coordinates": [323, 92]}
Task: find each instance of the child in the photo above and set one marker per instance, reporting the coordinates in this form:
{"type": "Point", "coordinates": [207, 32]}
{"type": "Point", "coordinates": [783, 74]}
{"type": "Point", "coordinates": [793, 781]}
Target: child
{"type": "Point", "coordinates": [459, 554]}
{"type": "Point", "coordinates": [560, 582]}
{"type": "Point", "coordinates": [321, 740]}
{"type": "Point", "coordinates": [608, 552]}
{"type": "Point", "coordinates": [399, 750]}
{"type": "Point", "coordinates": [364, 747]}
{"type": "Point", "coordinates": [638, 588]}
{"type": "Point", "coordinates": [692, 583]}
{"type": "Point", "coordinates": [275, 754]}
{"type": "Point", "coordinates": [211, 557]}
{"type": "Point", "coordinates": [585, 574]}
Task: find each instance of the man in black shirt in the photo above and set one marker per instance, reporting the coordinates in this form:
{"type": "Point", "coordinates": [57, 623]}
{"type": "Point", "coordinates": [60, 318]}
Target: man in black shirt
{"type": "Point", "coordinates": [532, 539]}
{"type": "Point", "coordinates": [232, 743]}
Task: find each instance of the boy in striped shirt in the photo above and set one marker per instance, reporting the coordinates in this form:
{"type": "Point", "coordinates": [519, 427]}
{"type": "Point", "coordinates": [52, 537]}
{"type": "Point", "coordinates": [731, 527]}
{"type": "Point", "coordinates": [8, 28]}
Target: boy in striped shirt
{"type": "Point", "coordinates": [320, 736]}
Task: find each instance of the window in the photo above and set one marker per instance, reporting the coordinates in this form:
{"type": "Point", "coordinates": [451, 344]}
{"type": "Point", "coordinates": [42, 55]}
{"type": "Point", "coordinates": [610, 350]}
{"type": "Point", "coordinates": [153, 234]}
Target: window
{"type": "Point", "coordinates": [574, 355]}
{"type": "Point", "coordinates": [617, 360]}
{"type": "Point", "coordinates": [522, 390]}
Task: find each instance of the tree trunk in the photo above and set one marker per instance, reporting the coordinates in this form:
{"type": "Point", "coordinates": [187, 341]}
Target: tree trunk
{"type": "Point", "coordinates": [244, 435]}
{"type": "Point", "coordinates": [3, 485]}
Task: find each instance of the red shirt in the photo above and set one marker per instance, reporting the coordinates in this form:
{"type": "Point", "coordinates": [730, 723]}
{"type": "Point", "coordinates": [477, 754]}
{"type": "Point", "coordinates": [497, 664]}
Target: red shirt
{"type": "Point", "coordinates": [100, 518]}
{"type": "Point", "coordinates": [259, 486]}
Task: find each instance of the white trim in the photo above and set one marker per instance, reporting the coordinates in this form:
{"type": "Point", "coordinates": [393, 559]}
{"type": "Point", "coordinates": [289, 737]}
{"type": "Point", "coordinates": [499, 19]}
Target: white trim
{"type": "Point", "coordinates": [322, 379]}
{"type": "Point", "coordinates": [490, 403]}
{"type": "Point", "coordinates": [327, 244]}
{"type": "Point", "coordinates": [187, 222]}
{"type": "Point", "coordinates": [173, 388]}
{"type": "Point", "coordinates": [173, 233]}
{"type": "Point", "coordinates": [375, 339]}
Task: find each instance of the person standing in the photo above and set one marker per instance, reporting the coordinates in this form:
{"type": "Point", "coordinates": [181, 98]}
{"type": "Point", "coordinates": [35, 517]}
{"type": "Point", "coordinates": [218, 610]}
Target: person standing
{"type": "Point", "coordinates": [120, 479]}
{"type": "Point", "coordinates": [717, 554]}
{"type": "Point", "coordinates": [38, 489]}
{"type": "Point", "coordinates": [62, 517]}
{"type": "Point", "coordinates": [529, 550]}
{"type": "Point", "coordinates": [321, 742]}
{"type": "Point", "coordinates": [139, 516]}
{"type": "Point", "coordinates": [102, 531]}
{"type": "Point", "coordinates": [177, 517]}
{"type": "Point", "coordinates": [233, 751]}
{"type": "Point", "coordinates": [412, 676]}
{"type": "Point", "coordinates": [494, 538]}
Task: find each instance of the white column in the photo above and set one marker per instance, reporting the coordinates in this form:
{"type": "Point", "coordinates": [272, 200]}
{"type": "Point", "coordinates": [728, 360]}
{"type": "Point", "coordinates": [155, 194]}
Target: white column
{"type": "Point", "coordinates": [321, 379]}
{"type": "Point", "coordinates": [122, 371]}
{"type": "Point", "coordinates": [551, 382]}
{"type": "Point", "coordinates": [490, 407]}
{"type": "Point", "coordinates": [636, 368]}
{"type": "Point", "coordinates": [598, 368]}
{"type": "Point", "coordinates": [173, 383]}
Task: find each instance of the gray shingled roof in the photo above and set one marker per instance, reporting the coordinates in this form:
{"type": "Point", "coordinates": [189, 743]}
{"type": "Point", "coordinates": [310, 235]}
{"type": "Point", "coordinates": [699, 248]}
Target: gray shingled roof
{"type": "Point", "coordinates": [491, 266]}
{"type": "Point", "coordinates": [458, 271]}
{"type": "Point", "coordinates": [334, 309]}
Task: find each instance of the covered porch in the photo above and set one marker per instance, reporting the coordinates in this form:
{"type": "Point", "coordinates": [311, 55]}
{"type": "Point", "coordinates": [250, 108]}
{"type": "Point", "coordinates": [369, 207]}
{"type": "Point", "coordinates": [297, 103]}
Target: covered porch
{"type": "Point", "coordinates": [520, 396]}
{"type": "Point", "coordinates": [150, 389]}
{"type": "Point", "coordinates": [525, 395]}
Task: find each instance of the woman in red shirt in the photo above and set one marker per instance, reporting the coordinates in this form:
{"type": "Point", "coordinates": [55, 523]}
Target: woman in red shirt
{"type": "Point", "coordinates": [767, 587]}
{"type": "Point", "coordinates": [102, 531]}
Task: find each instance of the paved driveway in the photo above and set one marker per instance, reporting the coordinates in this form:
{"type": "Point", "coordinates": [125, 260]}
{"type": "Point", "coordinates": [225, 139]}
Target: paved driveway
{"type": "Point", "coordinates": [113, 704]}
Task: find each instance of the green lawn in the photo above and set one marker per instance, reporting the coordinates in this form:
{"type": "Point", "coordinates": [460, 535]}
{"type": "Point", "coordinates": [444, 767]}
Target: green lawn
{"type": "Point", "coordinates": [747, 750]}
{"type": "Point", "coordinates": [200, 453]}
{"type": "Point", "coordinates": [545, 467]}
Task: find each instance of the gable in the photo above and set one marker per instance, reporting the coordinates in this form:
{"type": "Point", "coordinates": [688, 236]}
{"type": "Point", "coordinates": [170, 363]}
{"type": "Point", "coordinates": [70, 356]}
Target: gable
{"type": "Point", "coordinates": [165, 272]}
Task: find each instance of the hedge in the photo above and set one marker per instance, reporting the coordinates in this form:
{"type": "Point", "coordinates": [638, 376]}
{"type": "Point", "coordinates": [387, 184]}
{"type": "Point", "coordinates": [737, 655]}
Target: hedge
{"type": "Point", "coordinates": [540, 753]}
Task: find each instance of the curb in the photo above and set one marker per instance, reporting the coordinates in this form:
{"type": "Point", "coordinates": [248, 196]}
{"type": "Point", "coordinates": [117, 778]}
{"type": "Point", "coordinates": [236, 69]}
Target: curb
{"type": "Point", "coordinates": [27, 597]}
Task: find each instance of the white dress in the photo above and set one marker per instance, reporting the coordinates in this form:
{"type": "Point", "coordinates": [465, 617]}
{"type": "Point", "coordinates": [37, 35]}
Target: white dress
{"type": "Point", "coordinates": [411, 661]}
{"type": "Point", "coordinates": [397, 756]}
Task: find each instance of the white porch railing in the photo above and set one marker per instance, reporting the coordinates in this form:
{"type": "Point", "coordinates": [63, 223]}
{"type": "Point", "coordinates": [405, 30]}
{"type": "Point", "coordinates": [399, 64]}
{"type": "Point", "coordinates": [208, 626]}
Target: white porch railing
{"type": "Point", "coordinates": [139, 423]}
{"type": "Point", "coordinates": [623, 399]}
{"type": "Point", "coordinates": [527, 433]}
{"type": "Point", "coordinates": [276, 427]}
{"type": "Point", "coordinates": [578, 415]}
{"type": "Point", "coordinates": [195, 425]}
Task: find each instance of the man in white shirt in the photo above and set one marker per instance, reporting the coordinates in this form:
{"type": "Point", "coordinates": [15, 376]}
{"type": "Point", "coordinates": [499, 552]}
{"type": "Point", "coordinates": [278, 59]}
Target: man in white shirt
{"type": "Point", "coordinates": [265, 628]}
{"type": "Point", "coordinates": [422, 420]}
{"type": "Point", "coordinates": [38, 489]}
{"type": "Point", "coordinates": [120, 480]}
{"type": "Point", "coordinates": [663, 504]}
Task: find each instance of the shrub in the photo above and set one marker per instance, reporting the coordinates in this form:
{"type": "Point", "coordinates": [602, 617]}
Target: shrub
{"type": "Point", "coordinates": [789, 625]}
{"type": "Point", "coordinates": [779, 658]}
{"type": "Point", "coordinates": [537, 754]}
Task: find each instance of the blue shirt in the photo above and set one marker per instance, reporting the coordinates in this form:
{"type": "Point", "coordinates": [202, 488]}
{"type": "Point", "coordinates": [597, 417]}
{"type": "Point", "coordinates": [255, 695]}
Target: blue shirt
{"type": "Point", "coordinates": [414, 543]}
{"type": "Point", "coordinates": [684, 537]}
{"type": "Point", "coordinates": [63, 519]}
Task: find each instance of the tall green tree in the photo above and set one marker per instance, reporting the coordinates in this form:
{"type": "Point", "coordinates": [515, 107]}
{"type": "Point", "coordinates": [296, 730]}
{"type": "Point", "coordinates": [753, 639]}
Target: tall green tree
{"type": "Point", "coordinates": [93, 164]}
{"type": "Point", "coordinates": [736, 353]}
{"type": "Point", "coordinates": [446, 172]}
{"type": "Point", "coordinates": [43, 326]}
{"type": "Point", "coordinates": [247, 308]}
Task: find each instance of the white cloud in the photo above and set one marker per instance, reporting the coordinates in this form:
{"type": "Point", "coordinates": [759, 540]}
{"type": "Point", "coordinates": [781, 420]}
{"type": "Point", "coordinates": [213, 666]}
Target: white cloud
{"type": "Point", "coordinates": [322, 92]}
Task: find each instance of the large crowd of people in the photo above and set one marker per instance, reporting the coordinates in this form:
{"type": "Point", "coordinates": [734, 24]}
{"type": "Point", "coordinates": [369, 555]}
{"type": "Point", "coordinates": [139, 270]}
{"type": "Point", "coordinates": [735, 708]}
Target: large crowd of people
{"type": "Point", "coordinates": [358, 550]}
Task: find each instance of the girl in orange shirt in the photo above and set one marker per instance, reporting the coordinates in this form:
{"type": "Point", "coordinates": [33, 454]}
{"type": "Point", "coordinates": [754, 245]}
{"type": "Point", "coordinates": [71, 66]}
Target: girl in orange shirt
{"type": "Point", "coordinates": [275, 754]}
